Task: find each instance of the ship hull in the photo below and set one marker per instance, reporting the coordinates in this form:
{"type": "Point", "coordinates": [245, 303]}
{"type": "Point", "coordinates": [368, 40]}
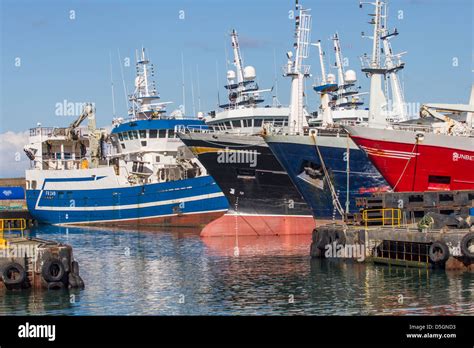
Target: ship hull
{"type": "Point", "coordinates": [259, 191]}
{"type": "Point", "coordinates": [434, 162]}
{"type": "Point", "coordinates": [98, 199]}
{"type": "Point", "coordinates": [350, 171]}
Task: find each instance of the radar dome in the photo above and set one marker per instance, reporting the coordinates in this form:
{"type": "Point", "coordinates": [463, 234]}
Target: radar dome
{"type": "Point", "coordinates": [249, 73]}
{"type": "Point", "coordinates": [230, 74]}
{"type": "Point", "coordinates": [350, 76]}
{"type": "Point", "coordinates": [331, 78]}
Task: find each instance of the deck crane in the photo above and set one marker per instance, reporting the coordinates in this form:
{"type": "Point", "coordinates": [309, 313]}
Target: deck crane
{"type": "Point", "coordinates": [437, 111]}
{"type": "Point", "coordinates": [94, 134]}
{"type": "Point", "coordinates": [88, 112]}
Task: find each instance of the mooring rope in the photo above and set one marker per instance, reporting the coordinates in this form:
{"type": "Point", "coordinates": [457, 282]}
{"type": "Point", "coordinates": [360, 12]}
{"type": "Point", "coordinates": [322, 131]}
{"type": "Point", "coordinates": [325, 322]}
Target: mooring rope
{"type": "Point", "coordinates": [406, 165]}
{"type": "Point", "coordinates": [335, 199]}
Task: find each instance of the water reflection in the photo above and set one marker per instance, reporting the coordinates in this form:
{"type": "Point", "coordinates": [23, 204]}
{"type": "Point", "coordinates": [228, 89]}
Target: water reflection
{"type": "Point", "coordinates": [176, 272]}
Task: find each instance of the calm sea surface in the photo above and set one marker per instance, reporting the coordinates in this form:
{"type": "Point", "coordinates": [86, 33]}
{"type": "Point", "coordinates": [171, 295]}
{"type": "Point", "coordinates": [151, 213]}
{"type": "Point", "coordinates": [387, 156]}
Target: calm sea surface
{"type": "Point", "coordinates": [179, 273]}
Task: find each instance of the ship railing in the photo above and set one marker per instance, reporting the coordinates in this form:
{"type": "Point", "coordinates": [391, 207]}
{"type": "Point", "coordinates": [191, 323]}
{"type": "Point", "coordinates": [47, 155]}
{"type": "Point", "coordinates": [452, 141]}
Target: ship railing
{"type": "Point", "coordinates": [55, 131]}
{"type": "Point", "coordinates": [51, 163]}
{"type": "Point", "coordinates": [382, 217]}
{"type": "Point", "coordinates": [290, 70]}
{"type": "Point", "coordinates": [193, 129]}
{"type": "Point", "coordinates": [15, 225]}
{"type": "Point", "coordinates": [413, 128]}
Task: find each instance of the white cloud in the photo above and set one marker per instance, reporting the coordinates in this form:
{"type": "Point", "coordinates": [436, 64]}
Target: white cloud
{"type": "Point", "coordinates": [13, 160]}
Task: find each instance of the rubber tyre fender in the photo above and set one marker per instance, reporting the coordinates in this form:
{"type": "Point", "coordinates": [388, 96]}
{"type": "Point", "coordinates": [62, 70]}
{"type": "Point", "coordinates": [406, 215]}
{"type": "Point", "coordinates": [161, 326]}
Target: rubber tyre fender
{"type": "Point", "coordinates": [434, 252]}
{"type": "Point", "coordinates": [47, 271]}
{"type": "Point", "coordinates": [55, 286]}
{"type": "Point", "coordinates": [13, 266]}
{"type": "Point", "coordinates": [75, 267]}
{"type": "Point", "coordinates": [468, 238]}
{"type": "Point", "coordinates": [323, 240]}
{"type": "Point", "coordinates": [314, 251]}
{"type": "Point", "coordinates": [65, 263]}
{"type": "Point", "coordinates": [340, 237]}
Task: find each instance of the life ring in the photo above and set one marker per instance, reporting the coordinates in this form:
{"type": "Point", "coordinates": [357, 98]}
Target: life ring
{"type": "Point", "coordinates": [9, 271]}
{"type": "Point", "coordinates": [467, 242]}
{"type": "Point", "coordinates": [132, 179]}
{"type": "Point", "coordinates": [438, 252]}
{"type": "Point", "coordinates": [53, 270]}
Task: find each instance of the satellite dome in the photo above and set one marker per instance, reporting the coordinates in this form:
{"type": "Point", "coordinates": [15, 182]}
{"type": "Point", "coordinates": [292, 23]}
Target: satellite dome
{"type": "Point", "coordinates": [230, 74]}
{"type": "Point", "coordinates": [350, 76]}
{"type": "Point", "coordinates": [249, 73]}
{"type": "Point", "coordinates": [331, 78]}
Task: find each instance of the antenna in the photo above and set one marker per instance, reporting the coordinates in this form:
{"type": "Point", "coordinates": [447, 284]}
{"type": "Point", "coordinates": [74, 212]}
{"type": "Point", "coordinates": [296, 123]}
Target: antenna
{"type": "Point", "coordinates": [192, 93]}
{"type": "Point", "coordinates": [275, 79]}
{"type": "Point", "coordinates": [217, 83]}
{"type": "Point", "coordinates": [112, 84]}
{"type": "Point", "coordinates": [123, 79]}
{"type": "Point", "coordinates": [198, 87]}
{"type": "Point", "coordinates": [184, 90]}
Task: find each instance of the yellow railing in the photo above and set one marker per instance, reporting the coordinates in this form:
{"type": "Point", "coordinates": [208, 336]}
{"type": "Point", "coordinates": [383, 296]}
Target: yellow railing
{"type": "Point", "coordinates": [389, 216]}
{"type": "Point", "coordinates": [10, 225]}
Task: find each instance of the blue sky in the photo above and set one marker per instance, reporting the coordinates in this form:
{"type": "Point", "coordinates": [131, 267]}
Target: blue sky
{"type": "Point", "coordinates": [64, 59]}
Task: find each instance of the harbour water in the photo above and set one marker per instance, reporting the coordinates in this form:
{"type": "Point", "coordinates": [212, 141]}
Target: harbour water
{"type": "Point", "coordinates": [179, 273]}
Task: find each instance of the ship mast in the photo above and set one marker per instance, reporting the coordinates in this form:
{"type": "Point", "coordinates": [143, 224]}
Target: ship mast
{"type": "Point", "coordinates": [242, 89]}
{"type": "Point", "coordinates": [297, 71]}
{"type": "Point", "coordinates": [377, 104]}
{"type": "Point", "coordinates": [324, 89]}
{"type": "Point", "coordinates": [237, 58]}
{"type": "Point", "coordinates": [393, 64]}
{"type": "Point", "coordinates": [340, 70]}
{"type": "Point", "coordinates": [378, 108]}
{"type": "Point", "coordinates": [143, 99]}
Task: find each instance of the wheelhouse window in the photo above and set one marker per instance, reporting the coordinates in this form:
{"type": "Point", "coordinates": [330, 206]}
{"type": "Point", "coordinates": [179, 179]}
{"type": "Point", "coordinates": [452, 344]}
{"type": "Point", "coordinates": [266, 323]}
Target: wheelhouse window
{"type": "Point", "coordinates": [162, 133]}
{"type": "Point", "coordinates": [171, 133]}
{"type": "Point", "coordinates": [236, 124]}
{"type": "Point", "coordinates": [247, 123]}
{"type": "Point", "coordinates": [125, 136]}
{"type": "Point", "coordinates": [227, 125]}
{"type": "Point", "coordinates": [153, 133]}
{"type": "Point", "coordinates": [142, 133]}
{"type": "Point", "coordinates": [258, 122]}
{"type": "Point", "coordinates": [120, 136]}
